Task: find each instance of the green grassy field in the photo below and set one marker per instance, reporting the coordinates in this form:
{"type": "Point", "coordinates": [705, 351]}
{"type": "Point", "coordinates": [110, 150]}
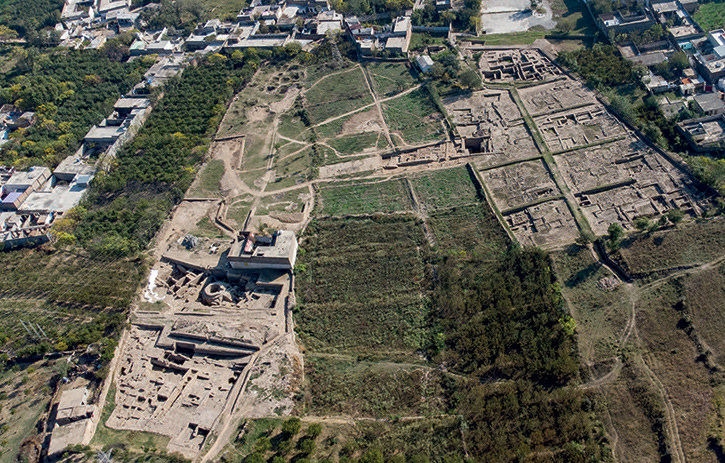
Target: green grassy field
{"type": "Point", "coordinates": [365, 198]}
{"type": "Point", "coordinates": [257, 149]}
{"type": "Point", "coordinates": [24, 396]}
{"type": "Point", "coordinates": [332, 129]}
{"type": "Point", "coordinates": [209, 182]}
{"type": "Point", "coordinates": [601, 314]}
{"type": "Point", "coordinates": [674, 358]}
{"type": "Point", "coordinates": [337, 95]}
{"type": "Point", "coordinates": [435, 439]}
{"type": "Point", "coordinates": [206, 229]}
{"type": "Point", "coordinates": [239, 208]}
{"type": "Point", "coordinates": [288, 201]}
{"type": "Point", "coordinates": [444, 188]}
{"type": "Point", "coordinates": [292, 127]}
{"type": "Point", "coordinates": [361, 288]}
{"type": "Point", "coordinates": [354, 144]}
{"type": "Point", "coordinates": [414, 117]}
{"type": "Point", "coordinates": [420, 40]}
{"type": "Point", "coordinates": [390, 78]}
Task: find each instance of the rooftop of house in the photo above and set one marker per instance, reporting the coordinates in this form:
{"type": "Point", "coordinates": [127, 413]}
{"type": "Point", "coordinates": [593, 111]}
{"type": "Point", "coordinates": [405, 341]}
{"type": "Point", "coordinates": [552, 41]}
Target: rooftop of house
{"type": "Point", "coordinates": [424, 60]}
{"type": "Point", "coordinates": [131, 103]}
{"type": "Point", "coordinates": [711, 62]}
{"type": "Point", "coordinates": [664, 7]}
{"type": "Point", "coordinates": [649, 59]}
{"type": "Point", "coordinates": [704, 131]}
{"type": "Point", "coordinates": [27, 178]}
{"type": "Point", "coordinates": [72, 166]}
{"type": "Point", "coordinates": [109, 5]}
{"type": "Point", "coordinates": [60, 199]}
{"type": "Point", "coordinates": [709, 102]}
{"type": "Point", "coordinates": [104, 133]}
{"type": "Point", "coordinates": [616, 18]}
{"type": "Point", "coordinates": [73, 398]}
{"type": "Point", "coordinates": [402, 24]}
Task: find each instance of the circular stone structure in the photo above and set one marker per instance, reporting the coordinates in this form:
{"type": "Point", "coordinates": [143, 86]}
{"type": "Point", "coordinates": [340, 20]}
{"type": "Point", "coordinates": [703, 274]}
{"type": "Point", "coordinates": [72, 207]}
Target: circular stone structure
{"type": "Point", "coordinates": [217, 292]}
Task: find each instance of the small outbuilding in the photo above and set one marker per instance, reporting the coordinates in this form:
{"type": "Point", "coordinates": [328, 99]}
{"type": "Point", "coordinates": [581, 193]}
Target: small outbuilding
{"type": "Point", "coordinates": [424, 62]}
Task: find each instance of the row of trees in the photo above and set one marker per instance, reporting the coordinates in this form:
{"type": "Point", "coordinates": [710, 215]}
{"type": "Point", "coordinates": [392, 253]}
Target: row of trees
{"type": "Point", "coordinates": [69, 91]}
{"type": "Point", "coordinates": [469, 17]}
{"type": "Point", "coordinates": [126, 207]}
{"type": "Point", "coordinates": [365, 7]}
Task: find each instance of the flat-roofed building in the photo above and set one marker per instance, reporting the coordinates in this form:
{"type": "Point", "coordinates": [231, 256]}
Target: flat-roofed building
{"type": "Point", "coordinates": [21, 184]}
{"type": "Point", "coordinates": [276, 252]}
{"type": "Point", "coordinates": [709, 104]}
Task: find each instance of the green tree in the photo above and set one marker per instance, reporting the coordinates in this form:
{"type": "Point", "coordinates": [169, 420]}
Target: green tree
{"type": "Point", "coordinates": [615, 233]}
{"type": "Point", "coordinates": [7, 34]}
{"type": "Point", "coordinates": [675, 216]}
{"type": "Point", "coordinates": [314, 430]}
{"type": "Point", "coordinates": [291, 426]}
{"type": "Point", "coordinates": [585, 237]}
{"type": "Point", "coordinates": [470, 80]}
{"type": "Point", "coordinates": [641, 223]}
{"type": "Point", "coordinates": [254, 458]}
{"type": "Point", "coordinates": [307, 445]}
{"type": "Point", "coordinates": [262, 445]}
{"type": "Point", "coordinates": [679, 61]}
{"type": "Point", "coordinates": [372, 456]}
{"type": "Point", "coordinates": [566, 24]}
{"type": "Point", "coordinates": [418, 458]}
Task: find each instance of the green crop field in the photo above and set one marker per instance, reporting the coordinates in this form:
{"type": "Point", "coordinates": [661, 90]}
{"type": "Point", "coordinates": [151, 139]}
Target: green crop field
{"type": "Point", "coordinates": [360, 285]}
{"type": "Point", "coordinates": [445, 188]}
{"type": "Point", "coordinates": [710, 15]}
{"type": "Point", "coordinates": [472, 229]}
{"type": "Point", "coordinates": [364, 198]}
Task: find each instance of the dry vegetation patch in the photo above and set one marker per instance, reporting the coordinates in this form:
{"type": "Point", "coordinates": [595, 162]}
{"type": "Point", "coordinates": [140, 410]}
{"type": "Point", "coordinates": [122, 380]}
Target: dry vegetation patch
{"type": "Point", "coordinates": [695, 243]}
{"type": "Point", "coordinates": [346, 386]}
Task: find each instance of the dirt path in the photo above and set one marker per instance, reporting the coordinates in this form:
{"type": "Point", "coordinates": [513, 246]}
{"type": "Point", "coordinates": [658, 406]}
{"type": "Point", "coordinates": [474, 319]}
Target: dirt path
{"type": "Point", "coordinates": [635, 294]}
{"type": "Point", "coordinates": [368, 106]}
{"type": "Point", "coordinates": [420, 213]}
{"type": "Point", "coordinates": [231, 184]}
{"type": "Point", "coordinates": [369, 83]}
{"type": "Point", "coordinates": [670, 419]}
{"type": "Point", "coordinates": [343, 71]}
